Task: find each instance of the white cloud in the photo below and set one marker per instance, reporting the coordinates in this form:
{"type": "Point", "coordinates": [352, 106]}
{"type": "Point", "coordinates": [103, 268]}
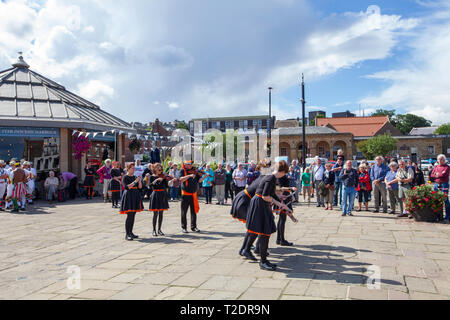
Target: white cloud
{"type": "Point", "coordinates": [173, 105]}
{"type": "Point", "coordinates": [421, 85]}
{"type": "Point", "coordinates": [96, 90]}
{"type": "Point", "coordinates": [212, 57]}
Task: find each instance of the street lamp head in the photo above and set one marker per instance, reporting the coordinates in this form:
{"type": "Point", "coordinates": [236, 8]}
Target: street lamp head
{"type": "Point", "coordinates": [270, 88]}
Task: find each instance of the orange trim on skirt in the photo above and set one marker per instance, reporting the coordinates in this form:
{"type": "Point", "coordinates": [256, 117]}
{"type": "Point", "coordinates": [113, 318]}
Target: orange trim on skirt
{"type": "Point", "coordinates": [258, 233]}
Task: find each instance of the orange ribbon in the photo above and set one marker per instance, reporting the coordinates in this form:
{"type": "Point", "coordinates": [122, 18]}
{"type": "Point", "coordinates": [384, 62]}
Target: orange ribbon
{"type": "Point", "coordinates": [248, 194]}
{"type": "Point", "coordinates": [195, 198]}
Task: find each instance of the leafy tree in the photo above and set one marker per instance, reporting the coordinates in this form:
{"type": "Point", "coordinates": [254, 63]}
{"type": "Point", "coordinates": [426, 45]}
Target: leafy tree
{"type": "Point", "coordinates": [406, 122]}
{"type": "Point", "coordinates": [444, 129]}
{"type": "Point", "coordinates": [379, 145]}
{"type": "Point", "coordinates": [313, 122]}
{"type": "Point", "coordinates": [390, 113]}
{"type": "Point", "coordinates": [182, 125]}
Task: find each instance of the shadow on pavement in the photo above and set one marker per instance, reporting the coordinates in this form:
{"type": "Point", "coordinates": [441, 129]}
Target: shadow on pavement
{"type": "Point", "coordinates": [166, 240]}
{"type": "Point", "coordinates": [324, 262]}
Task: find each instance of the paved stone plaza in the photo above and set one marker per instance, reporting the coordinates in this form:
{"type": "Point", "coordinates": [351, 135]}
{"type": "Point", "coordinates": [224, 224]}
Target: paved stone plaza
{"type": "Point", "coordinates": [331, 259]}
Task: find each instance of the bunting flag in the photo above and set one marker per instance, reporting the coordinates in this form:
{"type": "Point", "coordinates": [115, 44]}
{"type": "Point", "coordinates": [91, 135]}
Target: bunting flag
{"type": "Point", "coordinates": [95, 134]}
{"type": "Point", "coordinates": [104, 133]}
{"type": "Point", "coordinates": [80, 134]}
{"type": "Point", "coordinates": [87, 134]}
{"type": "Point", "coordinates": [74, 131]}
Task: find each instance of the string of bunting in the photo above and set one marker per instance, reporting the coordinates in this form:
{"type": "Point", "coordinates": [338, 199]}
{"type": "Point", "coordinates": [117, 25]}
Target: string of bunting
{"type": "Point", "coordinates": [87, 134]}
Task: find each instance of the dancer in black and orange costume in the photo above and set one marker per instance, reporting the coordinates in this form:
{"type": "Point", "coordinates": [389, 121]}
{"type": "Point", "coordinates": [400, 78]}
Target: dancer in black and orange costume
{"type": "Point", "coordinates": [287, 191]}
{"type": "Point", "coordinates": [189, 178]}
{"type": "Point", "coordinates": [159, 201]}
{"type": "Point", "coordinates": [89, 181]}
{"type": "Point", "coordinates": [131, 200]}
{"type": "Point", "coordinates": [240, 204]}
{"type": "Point", "coordinates": [260, 219]}
{"type": "Point", "coordinates": [115, 185]}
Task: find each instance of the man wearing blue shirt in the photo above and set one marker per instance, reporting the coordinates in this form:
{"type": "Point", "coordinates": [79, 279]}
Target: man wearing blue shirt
{"type": "Point", "coordinates": [377, 175]}
{"type": "Point", "coordinates": [337, 168]}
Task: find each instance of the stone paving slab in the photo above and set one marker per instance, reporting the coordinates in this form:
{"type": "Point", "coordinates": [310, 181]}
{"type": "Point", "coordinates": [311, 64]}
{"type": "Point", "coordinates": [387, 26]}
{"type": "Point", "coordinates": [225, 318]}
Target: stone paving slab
{"type": "Point", "coordinates": [333, 256]}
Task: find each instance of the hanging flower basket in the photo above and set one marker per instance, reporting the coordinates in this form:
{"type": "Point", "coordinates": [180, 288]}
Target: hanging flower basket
{"type": "Point", "coordinates": [425, 204]}
{"type": "Point", "coordinates": [135, 145]}
{"type": "Point", "coordinates": [80, 145]}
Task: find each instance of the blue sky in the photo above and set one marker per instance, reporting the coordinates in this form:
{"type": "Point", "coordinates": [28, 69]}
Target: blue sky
{"type": "Point", "coordinates": [172, 59]}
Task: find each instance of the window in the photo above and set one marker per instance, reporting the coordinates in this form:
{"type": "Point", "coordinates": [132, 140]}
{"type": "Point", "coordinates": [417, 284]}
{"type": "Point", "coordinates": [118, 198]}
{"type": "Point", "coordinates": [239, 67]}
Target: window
{"type": "Point", "coordinates": [241, 123]}
{"type": "Point", "coordinates": [431, 150]}
{"type": "Point", "coordinates": [283, 152]}
{"type": "Point", "coordinates": [218, 124]}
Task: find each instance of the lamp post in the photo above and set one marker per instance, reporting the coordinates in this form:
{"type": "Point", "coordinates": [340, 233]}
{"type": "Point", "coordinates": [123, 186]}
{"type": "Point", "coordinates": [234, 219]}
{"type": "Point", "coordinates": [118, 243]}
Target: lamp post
{"type": "Point", "coordinates": [303, 123]}
{"type": "Point", "coordinates": [269, 127]}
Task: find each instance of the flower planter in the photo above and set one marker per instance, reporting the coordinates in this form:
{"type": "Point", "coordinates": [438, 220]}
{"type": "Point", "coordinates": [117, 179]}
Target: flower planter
{"type": "Point", "coordinates": [427, 215]}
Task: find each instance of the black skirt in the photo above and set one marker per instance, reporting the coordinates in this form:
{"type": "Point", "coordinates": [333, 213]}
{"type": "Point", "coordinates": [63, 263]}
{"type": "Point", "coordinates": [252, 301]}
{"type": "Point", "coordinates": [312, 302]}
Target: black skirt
{"type": "Point", "coordinates": [114, 186]}
{"type": "Point", "coordinates": [239, 206]}
{"type": "Point", "coordinates": [89, 181]}
{"type": "Point", "coordinates": [260, 219]}
{"type": "Point", "coordinates": [159, 201]}
{"type": "Point", "coordinates": [131, 201]}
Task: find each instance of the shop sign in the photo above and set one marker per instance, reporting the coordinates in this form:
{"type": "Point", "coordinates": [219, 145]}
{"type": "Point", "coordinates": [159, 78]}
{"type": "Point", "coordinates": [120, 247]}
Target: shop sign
{"type": "Point", "coordinates": [29, 132]}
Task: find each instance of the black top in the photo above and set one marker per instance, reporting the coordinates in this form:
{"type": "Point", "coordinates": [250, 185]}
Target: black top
{"type": "Point", "coordinates": [330, 179]}
{"type": "Point", "coordinates": [283, 182]}
{"type": "Point", "coordinates": [129, 179]}
{"type": "Point", "coordinates": [350, 178]}
{"type": "Point", "coordinates": [89, 171]}
{"type": "Point", "coordinates": [115, 173]}
{"type": "Point", "coordinates": [190, 185]}
{"type": "Point", "coordinates": [251, 189]}
{"type": "Point", "coordinates": [267, 187]}
{"type": "Point", "coordinates": [160, 185]}
{"type": "Point", "coordinates": [147, 170]}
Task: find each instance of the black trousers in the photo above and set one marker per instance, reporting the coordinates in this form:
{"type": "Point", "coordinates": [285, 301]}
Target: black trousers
{"type": "Point", "coordinates": [263, 242]}
{"type": "Point", "coordinates": [115, 198]}
{"type": "Point", "coordinates": [281, 227]}
{"type": "Point", "coordinates": [129, 223]}
{"type": "Point", "coordinates": [186, 203]}
{"type": "Point", "coordinates": [228, 192]}
{"type": "Point", "coordinates": [237, 190]}
{"type": "Point", "coordinates": [73, 184]}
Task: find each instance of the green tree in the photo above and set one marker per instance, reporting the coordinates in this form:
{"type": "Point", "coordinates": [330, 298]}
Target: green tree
{"type": "Point", "coordinates": [379, 145]}
{"type": "Point", "coordinates": [444, 129]}
{"type": "Point", "coordinates": [390, 113]}
{"type": "Point", "coordinates": [313, 122]}
{"type": "Point", "coordinates": [406, 122]}
{"type": "Point", "coordinates": [182, 125]}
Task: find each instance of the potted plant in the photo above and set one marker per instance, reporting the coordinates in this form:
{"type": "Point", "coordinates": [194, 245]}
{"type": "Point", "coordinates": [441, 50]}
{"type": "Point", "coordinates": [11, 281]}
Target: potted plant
{"type": "Point", "coordinates": [425, 204]}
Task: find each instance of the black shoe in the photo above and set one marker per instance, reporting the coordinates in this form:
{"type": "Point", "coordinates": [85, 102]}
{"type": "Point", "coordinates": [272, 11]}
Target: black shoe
{"type": "Point", "coordinates": [195, 230]}
{"type": "Point", "coordinates": [161, 233]}
{"type": "Point", "coordinates": [267, 266]}
{"type": "Point", "coordinates": [318, 206]}
{"type": "Point", "coordinates": [385, 211]}
{"type": "Point", "coordinates": [286, 243]}
{"type": "Point", "coordinates": [134, 236]}
{"type": "Point", "coordinates": [129, 238]}
{"type": "Point", "coordinates": [271, 264]}
{"type": "Point", "coordinates": [256, 251]}
{"type": "Point", "coordinates": [154, 233]}
{"type": "Point", "coordinates": [375, 211]}
{"type": "Point", "coordinates": [22, 209]}
{"type": "Point", "coordinates": [278, 242]}
{"type": "Point", "coordinates": [241, 252]}
{"type": "Point", "coordinates": [185, 231]}
{"type": "Point", "coordinates": [249, 255]}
